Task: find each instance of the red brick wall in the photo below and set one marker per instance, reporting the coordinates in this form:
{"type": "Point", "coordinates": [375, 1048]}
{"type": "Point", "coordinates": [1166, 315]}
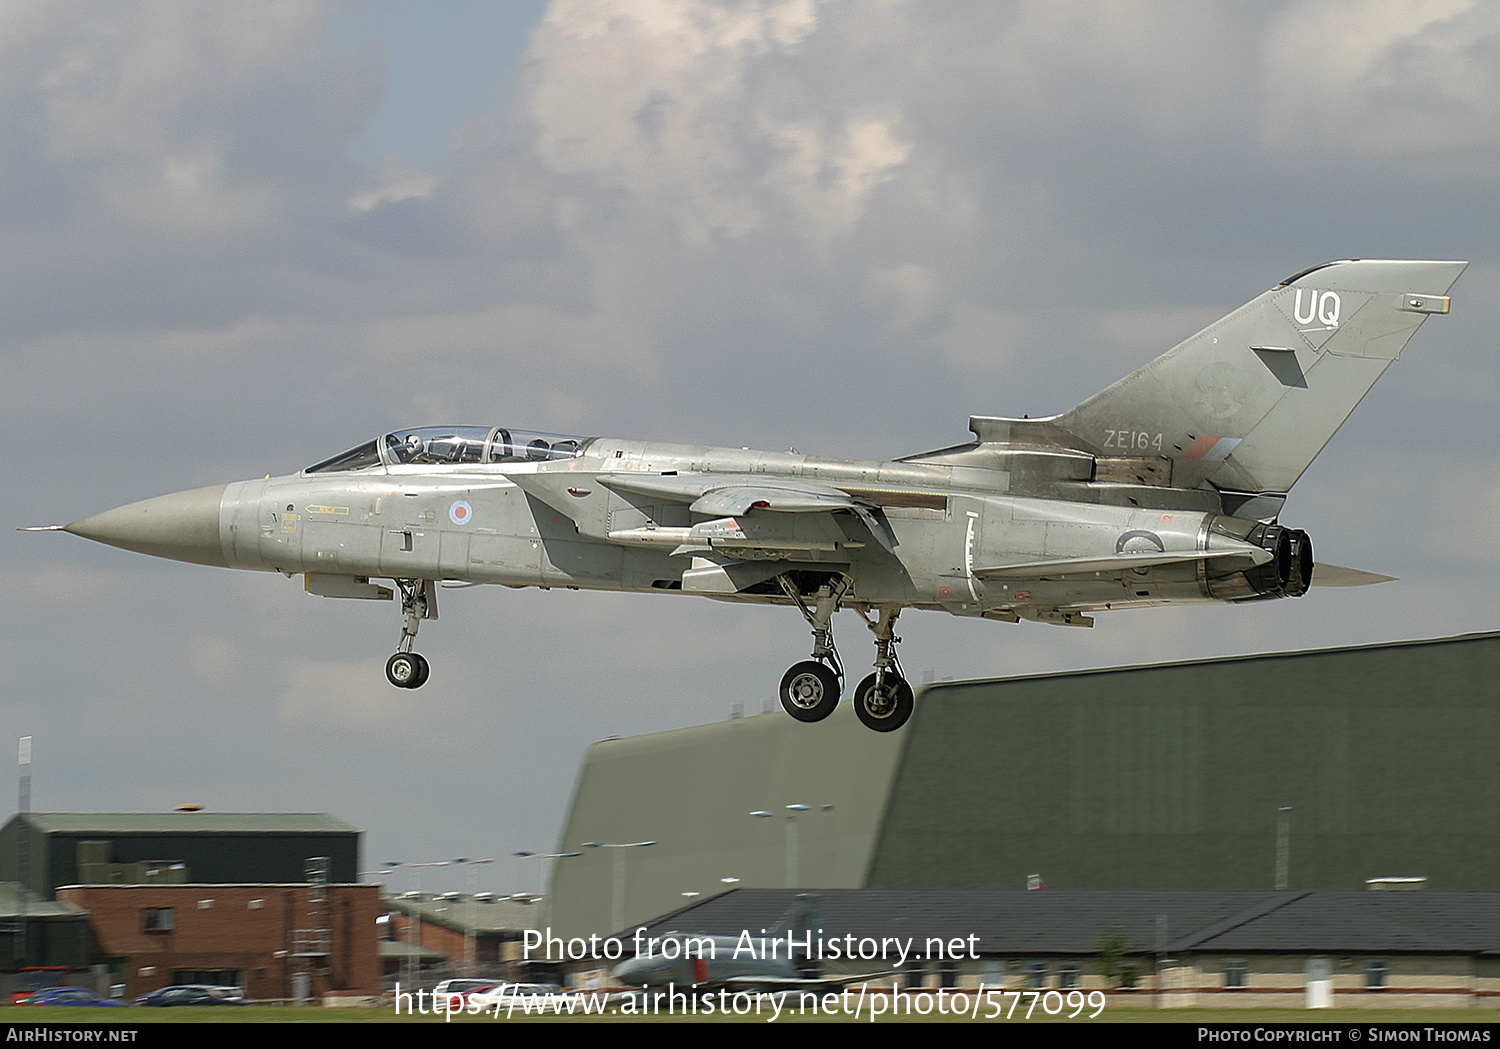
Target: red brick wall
{"type": "Point", "coordinates": [231, 933]}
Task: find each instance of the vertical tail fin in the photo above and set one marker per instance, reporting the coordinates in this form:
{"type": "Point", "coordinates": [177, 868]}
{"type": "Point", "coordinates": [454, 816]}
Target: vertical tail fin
{"type": "Point", "coordinates": [1247, 403]}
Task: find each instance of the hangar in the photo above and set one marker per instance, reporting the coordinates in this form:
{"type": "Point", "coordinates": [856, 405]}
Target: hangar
{"type": "Point", "coordinates": [1320, 769]}
{"type": "Point", "coordinates": [266, 901]}
{"type": "Point", "coordinates": [71, 848]}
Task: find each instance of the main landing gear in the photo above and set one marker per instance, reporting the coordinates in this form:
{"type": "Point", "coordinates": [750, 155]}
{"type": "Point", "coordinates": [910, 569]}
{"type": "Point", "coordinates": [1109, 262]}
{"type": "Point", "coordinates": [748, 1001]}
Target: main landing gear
{"type": "Point", "coordinates": [883, 701]}
{"type": "Point", "coordinates": [407, 669]}
{"type": "Point", "coordinates": [810, 690]}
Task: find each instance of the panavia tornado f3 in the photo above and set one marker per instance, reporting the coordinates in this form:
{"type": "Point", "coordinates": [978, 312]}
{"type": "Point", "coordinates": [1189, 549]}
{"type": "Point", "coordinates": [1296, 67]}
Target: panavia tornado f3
{"type": "Point", "coordinates": [1164, 489]}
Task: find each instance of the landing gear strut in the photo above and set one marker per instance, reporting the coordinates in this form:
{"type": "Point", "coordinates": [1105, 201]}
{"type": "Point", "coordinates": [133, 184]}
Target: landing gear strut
{"type": "Point", "coordinates": [810, 690]}
{"type": "Point", "coordinates": [407, 669]}
{"type": "Point", "coordinates": [883, 701]}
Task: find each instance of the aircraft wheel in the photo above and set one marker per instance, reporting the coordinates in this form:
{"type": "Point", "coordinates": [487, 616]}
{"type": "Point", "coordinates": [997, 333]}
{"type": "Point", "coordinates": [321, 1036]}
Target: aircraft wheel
{"type": "Point", "coordinates": [885, 709]}
{"type": "Point", "coordinates": [406, 670]}
{"type": "Point", "coordinates": [810, 691]}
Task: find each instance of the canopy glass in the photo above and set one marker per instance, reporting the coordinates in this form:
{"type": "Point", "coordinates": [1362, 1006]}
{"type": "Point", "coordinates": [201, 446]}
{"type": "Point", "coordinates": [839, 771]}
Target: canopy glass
{"type": "Point", "coordinates": [447, 445]}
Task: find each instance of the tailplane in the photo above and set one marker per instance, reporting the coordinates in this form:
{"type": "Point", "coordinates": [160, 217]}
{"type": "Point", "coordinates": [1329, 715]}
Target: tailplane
{"type": "Point", "coordinates": [1247, 403]}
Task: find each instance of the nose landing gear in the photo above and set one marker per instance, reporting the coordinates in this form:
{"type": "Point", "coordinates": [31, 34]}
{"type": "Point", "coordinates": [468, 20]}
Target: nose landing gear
{"type": "Point", "coordinates": [407, 669]}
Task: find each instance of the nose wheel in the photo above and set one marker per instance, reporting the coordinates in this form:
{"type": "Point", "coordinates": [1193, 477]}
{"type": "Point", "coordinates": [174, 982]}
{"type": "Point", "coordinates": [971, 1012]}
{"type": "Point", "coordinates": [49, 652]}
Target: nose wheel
{"type": "Point", "coordinates": [407, 670]}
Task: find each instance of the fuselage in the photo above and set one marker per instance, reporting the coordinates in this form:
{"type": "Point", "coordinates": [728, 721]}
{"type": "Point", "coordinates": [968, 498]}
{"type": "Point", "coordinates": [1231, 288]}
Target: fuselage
{"type": "Point", "coordinates": [974, 530]}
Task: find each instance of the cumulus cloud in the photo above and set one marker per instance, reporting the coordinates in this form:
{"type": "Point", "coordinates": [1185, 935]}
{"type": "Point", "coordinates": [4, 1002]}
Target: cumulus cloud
{"type": "Point", "coordinates": [394, 182]}
{"type": "Point", "coordinates": [1383, 77]}
{"type": "Point", "coordinates": [183, 150]}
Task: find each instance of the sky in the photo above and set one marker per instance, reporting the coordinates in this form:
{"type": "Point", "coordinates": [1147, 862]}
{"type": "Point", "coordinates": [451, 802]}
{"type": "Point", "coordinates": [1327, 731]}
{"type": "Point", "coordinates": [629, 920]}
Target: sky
{"type": "Point", "coordinates": [237, 239]}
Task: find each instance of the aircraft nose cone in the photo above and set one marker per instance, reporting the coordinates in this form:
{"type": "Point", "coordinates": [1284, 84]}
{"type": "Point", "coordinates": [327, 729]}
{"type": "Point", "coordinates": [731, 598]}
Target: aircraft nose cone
{"type": "Point", "coordinates": [629, 973]}
{"type": "Point", "coordinates": [183, 526]}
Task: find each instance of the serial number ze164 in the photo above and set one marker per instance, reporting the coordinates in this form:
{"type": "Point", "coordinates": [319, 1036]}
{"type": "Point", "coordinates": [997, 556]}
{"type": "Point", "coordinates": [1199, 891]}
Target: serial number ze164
{"type": "Point", "coordinates": [1132, 440]}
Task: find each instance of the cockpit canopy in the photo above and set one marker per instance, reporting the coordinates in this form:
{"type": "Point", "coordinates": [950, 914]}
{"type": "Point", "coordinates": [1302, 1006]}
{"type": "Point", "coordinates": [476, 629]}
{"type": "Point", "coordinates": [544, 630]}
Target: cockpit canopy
{"type": "Point", "coordinates": [446, 445]}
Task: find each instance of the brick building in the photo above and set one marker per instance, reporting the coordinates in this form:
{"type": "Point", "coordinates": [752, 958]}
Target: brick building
{"type": "Point", "coordinates": [475, 937]}
{"type": "Point", "coordinates": [264, 901]}
{"type": "Point", "coordinates": [275, 941]}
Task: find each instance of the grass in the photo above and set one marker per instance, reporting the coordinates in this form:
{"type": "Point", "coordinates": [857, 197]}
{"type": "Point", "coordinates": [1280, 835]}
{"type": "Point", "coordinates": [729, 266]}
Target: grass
{"type": "Point", "coordinates": [386, 1014]}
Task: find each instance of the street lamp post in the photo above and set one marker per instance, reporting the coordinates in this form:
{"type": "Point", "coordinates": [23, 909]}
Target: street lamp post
{"type": "Point", "coordinates": [791, 838]}
{"type": "Point", "coordinates": [546, 889]}
{"type": "Point", "coordinates": [617, 913]}
{"type": "Point", "coordinates": [418, 907]}
{"type": "Point", "coordinates": [1283, 846]}
{"type": "Point", "coordinates": [469, 866]}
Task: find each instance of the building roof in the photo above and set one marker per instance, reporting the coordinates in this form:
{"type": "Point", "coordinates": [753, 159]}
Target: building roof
{"type": "Point", "coordinates": [1366, 922]}
{"type": "Point", "coordinates": [1377, 646]}
{"type": "Point", "coordinates": [398, 950]}
{"type": "Point", "coordinates": [1072, 921]}
{"type": "Point", "coordinates": [118, 823]}
{"type": "Point", "coordinates": [36, 906]}
{"type": "Point", "coordinates": [482, 916]}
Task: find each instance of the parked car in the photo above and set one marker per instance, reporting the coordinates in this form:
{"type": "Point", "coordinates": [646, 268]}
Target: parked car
{"type": "Point", "coordinates": [68, 996]}
{"type": "Point", "coordinates": [457, 991]}
{"type": "Point", "coordinates": [34, 978]}
{"type": "Point", "coordinates": [193, 994]}
{"type": "Point", "coordinates": [507, 995]}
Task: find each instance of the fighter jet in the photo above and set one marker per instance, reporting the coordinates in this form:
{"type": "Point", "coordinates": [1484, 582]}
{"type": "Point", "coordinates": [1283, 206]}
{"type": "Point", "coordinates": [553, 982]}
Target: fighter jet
{"type": "Point", "coordinates": [775, 959]}
{"type": "Point", "coordinates": [1164, 489]}
{"type": "Point", "coordinates": [706, 964]}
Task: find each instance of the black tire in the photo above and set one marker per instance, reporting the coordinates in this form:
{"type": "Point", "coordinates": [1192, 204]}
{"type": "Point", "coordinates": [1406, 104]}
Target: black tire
{"type": "Point", "coordinates": [423, 669]}
{"type": "Point", "coordinates": [406, 670]}
{"type": "Point", "coordinates": [810, 691]}
{"type": "Point", "coordinates": [885, 710]}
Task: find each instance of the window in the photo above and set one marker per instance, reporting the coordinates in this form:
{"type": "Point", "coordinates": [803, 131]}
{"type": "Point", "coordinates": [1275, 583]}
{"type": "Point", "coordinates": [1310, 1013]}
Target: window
{"type": "Point", "coordinates": [1236, 973]}
{"type": "Point", "coordinates": [992, 972]}
{"type": "Point", "coordinates": [158, 919]}
{"type": "Point", "coordinates": [1067, 977]}
{"type": "Point", "coordinates": [1036, 976]}
{"type": "Point", "coordinates": [217, 977]}
{"type": "Point", "coordinates": [1375, 974]}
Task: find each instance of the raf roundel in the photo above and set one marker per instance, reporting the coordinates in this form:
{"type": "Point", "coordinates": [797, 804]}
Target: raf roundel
{"type": "Point", "coordinates": [460, 512]}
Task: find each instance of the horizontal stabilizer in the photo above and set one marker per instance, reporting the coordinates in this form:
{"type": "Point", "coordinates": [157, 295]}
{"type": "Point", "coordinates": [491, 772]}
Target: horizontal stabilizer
{"type": "Point", "coordinates": [1333, 575]}
{"type": "Point", "coordinates": [1116, 563]}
